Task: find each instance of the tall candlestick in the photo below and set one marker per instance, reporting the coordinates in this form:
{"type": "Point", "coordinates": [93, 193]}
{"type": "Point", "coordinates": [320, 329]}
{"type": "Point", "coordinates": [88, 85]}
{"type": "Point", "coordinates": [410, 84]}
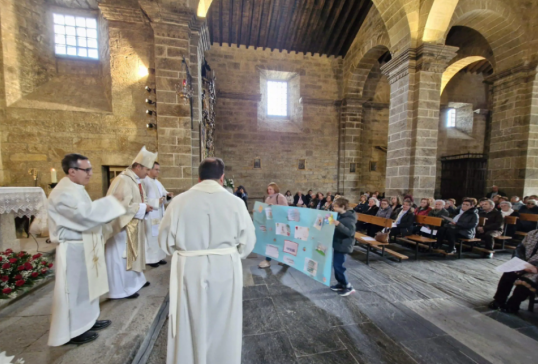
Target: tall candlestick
{"type": "Point", "coordinates": [53, 177]}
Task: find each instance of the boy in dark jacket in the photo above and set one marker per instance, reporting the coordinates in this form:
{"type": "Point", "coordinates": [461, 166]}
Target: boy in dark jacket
{"type": "Point", "coordinates": [343, 243]}
{"type": "Point", "coordinates": [493, 226]}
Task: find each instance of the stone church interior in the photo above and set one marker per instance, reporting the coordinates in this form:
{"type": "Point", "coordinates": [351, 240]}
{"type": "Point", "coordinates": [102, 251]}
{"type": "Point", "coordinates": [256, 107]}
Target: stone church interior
{"type": "Point", "coordinates": [427, 101]}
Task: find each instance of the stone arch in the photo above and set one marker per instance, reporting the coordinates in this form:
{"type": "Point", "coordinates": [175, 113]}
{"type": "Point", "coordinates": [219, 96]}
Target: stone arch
{"type": "Point", "coordinates": [455, 68]}
{"type": "Point", "coordinates": [397, 16]}
{"type": "Point", "coordinates": [498, 24]}
{"type": "Point", "coordinates": [203, 8]}
{"type": "Point", "coordinates": [438, 18]}
{"type": "Point", "coordinates": [359, 75]}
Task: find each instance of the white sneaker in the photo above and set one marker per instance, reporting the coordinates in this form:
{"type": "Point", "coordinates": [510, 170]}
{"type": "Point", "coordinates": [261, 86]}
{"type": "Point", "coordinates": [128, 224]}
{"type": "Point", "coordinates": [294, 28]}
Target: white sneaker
{"type": "Point", "coordinates": [264, 264]}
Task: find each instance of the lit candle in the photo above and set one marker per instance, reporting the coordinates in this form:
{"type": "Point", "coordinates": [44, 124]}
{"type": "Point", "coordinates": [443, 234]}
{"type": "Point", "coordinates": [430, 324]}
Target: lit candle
{"type": "Point", "coordinates": [53, 178]}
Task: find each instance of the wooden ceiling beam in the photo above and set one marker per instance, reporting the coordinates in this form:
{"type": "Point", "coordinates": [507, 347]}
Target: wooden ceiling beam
{"type": "Point", "coordinates": [340, 33]}
{"type": "Point", "coordinates": [290, 20]}
{"type": "Point", "coordinates": [239, 29]}
{"type": "Point", "coordinates": [230, 22]}
{"type": "Point", "coordinates": [366, 6]}
{"type": "Point", "coordinates": [327, 31]}
{"type": "Point", "coordinates": [322, 14]}
{"type": "Point", "coordinates": [220, 22]}
{"type": "Point", "coordinates": [282, 16]}
{"type": "Point", "coordinates": [305, 28]}
{"type": "Point", "coordinates": [260, 18]}
{"type": "Point", "coordinates": [268, 28]}
{"type": "Point", "coordinates": [251, 22]}
{"type": "Point", "coordinates": [299, 26]}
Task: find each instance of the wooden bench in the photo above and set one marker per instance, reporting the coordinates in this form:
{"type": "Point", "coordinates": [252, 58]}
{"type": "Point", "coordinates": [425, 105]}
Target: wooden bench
{"type": "Point", "coordinates": [421, 241]}
{"type": "Point", "coordinates": [376, 246]}
{"type": "Point", "coordinates": [508, 220]}
{"type": "Point", "coordinates": [527, 217]}
{"type": "Point", "coordinates": [352, 205]}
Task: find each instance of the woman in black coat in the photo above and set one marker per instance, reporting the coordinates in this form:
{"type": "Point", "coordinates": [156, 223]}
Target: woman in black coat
{"type": "Point", "coordinates": [405, 219]}
{"type": "Point", "coordinates": [242, 194]}
{"type": "Point", "coordinates": [362, 206]}
{"type": "Point", "coordinates": [463, 226]}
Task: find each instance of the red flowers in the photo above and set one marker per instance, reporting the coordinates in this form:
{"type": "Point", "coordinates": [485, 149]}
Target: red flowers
{"type": "Point", "coordinates": [13, 260]}
{"type": "Point", "coordinates": [21, 254]}
{"type": "Point", "coordinates": [6, 291]}
{"type": "Point", "coordinates": [34, 257]}
{"type": "Point", "coordinates": [43, 271]}
{"type": "Point", "coordinates": [17, 277]}
{"type": "Point", "coordinates": [50, 265]}
{"type": "Point", "coordinates": [6, 266]}
{"type": "Point", "coordinates": [44, 263]}
{"type": "Point", "coordinates": [28, 266]}
{"type": "Point", "coordinates": [9, 251]}
{"type": "Point", "coordinates": [12, 266]}
{"type": "Point", "coordinates": [4, 278]}
{"type": "Point", "coordinates": [35, 275]}
{"type": "Point", "coordinates": [20, 283]}
{"type": "Point", "coordinates": [20, 267]}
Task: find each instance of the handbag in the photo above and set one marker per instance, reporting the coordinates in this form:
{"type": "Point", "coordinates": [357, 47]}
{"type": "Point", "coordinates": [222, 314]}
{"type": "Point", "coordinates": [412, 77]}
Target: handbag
{"type": "Point", "coordinates": [382, 236]}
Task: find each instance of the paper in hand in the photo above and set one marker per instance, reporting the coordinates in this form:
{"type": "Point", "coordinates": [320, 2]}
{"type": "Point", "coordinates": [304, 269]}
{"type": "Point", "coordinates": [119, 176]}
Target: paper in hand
{"type": "Point", "coordinates": [513, 265]}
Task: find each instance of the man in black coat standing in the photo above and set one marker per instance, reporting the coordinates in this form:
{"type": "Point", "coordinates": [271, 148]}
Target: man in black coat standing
{"type": "Point", "coordinates": [494, 192]}
{"type": "Point", "coordinates": [462, 226]}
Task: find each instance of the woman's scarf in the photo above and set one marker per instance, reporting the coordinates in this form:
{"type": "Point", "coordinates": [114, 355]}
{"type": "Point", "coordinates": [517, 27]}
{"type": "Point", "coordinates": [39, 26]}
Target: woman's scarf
{"type": "Point", "coordinates": [507, 213]}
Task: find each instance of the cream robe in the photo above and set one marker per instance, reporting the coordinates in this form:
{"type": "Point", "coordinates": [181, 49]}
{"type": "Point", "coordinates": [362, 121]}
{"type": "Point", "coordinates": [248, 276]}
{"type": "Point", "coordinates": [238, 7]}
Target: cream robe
{"type": "Point", "coordinates": [154, 190]}
{"type": "Point", "coordinates": [120, 248]}
{"type": "Point", "coordinates": [75, 223]}
{"type": "Point", "coordinates": [209, 320]}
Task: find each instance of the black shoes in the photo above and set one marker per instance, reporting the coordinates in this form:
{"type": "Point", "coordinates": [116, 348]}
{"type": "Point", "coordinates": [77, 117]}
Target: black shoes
{"type": "Point", "coordinates": [154, 265]}
{"type": "Point", "coordinates": [87, 337]}
{"type": "Point", "coordinates": [162, 262]}
{"type": "Point", "coordinates": [133, 296]}
{"type": "Point", "coordinates": [100, 325]}
{"type": "Point", "coordinates": [146, 284]}
{"type": "Point", "coordinates": [494, 305]}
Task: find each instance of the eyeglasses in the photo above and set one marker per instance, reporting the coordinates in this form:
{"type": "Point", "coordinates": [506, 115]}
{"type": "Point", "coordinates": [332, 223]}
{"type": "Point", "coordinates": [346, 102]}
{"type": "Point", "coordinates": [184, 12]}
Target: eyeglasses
{"type": "Point", "coordinates": [87, 170]}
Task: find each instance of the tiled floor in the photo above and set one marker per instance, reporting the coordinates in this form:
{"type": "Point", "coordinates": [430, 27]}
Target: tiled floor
{"type": "Point", "coordinates": [430, 311]}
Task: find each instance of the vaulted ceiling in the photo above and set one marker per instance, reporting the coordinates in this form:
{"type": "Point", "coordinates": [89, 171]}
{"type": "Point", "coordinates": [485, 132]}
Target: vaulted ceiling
{"type": "Point", "coordinates": [309, 26]}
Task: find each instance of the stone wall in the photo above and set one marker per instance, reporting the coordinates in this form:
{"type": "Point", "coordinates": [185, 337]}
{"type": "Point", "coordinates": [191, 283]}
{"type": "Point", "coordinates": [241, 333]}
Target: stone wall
{"type": "Point", "coordinates": [57, 106]}
{"type": "Point", "coordinates": [240, 139]}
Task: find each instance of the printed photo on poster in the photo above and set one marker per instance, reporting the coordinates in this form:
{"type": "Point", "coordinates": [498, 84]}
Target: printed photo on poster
{"type": "Point", "coordinates": [301, 233]}
{"type": "Point", "coordinates": [288, 260]}
{"type": "Point", "coordinates": [291, 247]}
{"type": "Point", "coordinates": [294, 215]}
{"type": "Point", "coordinates": [318, 224]}
{"type": "Point", "coordinates": [321, 249]}
{"type": "Point", "coordinates": [283, 229]}
{"type": "Point", "coordinates": [271, 251]}
{"type": "Point", "coordinates": [263, 228]}
{"type": "Point", "coordinates": [310, 266]}
{"type": "Point", "coordinates": [269, 213]}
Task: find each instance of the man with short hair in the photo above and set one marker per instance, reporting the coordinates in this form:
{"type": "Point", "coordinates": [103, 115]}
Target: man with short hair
{"type": "Point", "coordinates": [494, 192]}
{"type": "Point", "coordinates": [125, 250]}
{"type": "Point", "coordinates": [75, 223]}
{"type": "Point", "coordinates": [157, 197]}
{"type": "Point", "coordinates": [493, 226]}
{"type": "Point", "coordinates": [462, 226]}
{"type": "Point", "coordinates": [529, 208]}
{"type": "Point", "coordinates": [451, 207]}
{"type": "Point", "coordinates": [207, 231]}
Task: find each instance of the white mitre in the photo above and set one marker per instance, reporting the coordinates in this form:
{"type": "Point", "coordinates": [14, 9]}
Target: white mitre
{"type": "Point", "coordinates": [145, 158]}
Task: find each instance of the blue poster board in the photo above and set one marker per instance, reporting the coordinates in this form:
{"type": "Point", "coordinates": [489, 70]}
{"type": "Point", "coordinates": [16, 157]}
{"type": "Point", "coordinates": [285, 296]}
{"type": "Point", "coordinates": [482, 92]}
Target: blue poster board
{"type": "Point", "coordinates": [299, 237]}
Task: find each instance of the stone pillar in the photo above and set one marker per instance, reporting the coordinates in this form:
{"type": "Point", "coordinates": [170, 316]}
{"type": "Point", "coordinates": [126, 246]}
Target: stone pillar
{"type": "Point", "coordinates": [349, 148]}
{"type": "Point", "coordinates": [415, 78]}
{"type": "Point", "coordinates": [513, 149]}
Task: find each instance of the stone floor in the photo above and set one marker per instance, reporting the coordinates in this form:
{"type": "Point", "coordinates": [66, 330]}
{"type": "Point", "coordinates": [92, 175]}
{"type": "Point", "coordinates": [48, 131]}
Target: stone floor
{"type": "Point", "coordinates": [431, 311]}
{"type": "Point", "coordinates": [24, 326]}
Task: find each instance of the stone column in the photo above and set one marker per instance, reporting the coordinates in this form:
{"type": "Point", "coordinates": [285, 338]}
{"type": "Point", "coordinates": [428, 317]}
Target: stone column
{"type": "Point", "coordinates": [513, 149]}
{"type": "Point", "coordinates": [415, 78]}
{"type": "Point", "coordinates": [349, 148]}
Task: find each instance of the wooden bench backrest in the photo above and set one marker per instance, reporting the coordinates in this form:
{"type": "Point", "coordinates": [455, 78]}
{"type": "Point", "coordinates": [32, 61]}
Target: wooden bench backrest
{"type": "Point", "coordinates": [429, 220]}
{"type": "Point", "coordinates": [352, 205]}
{"type": "Point", "coordinates": [511, 220]}
{"type": "Point", "coordinates": [482, 221]}
{"type": "Point", "coordinates": [375, 220]}
{"type": "Point", "coordinates": [529, 217]}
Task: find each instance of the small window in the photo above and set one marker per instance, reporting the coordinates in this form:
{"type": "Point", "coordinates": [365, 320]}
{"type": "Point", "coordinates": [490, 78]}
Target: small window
{"type": "Point", "coordinates": [451, 118]}
{"type": "Point", "coordinates": [277, 98]}
{"type": "Point", "coordinates": [75, 36]}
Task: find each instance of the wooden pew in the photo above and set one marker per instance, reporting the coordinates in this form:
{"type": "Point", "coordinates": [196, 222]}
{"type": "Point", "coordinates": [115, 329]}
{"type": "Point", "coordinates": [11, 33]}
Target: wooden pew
{"type": "Point", "coordinates": [461, 241]}
{"type": "Point", "coordinates": [352, 205]}
{"type": "Point", "coordinates": [527, 217]}
{"type": "Point", "coordinates": [376, 246]}
{"type": "Point", "coordinates": [508, 220]}
{"type": "Point", "coordinates": [421, 241]}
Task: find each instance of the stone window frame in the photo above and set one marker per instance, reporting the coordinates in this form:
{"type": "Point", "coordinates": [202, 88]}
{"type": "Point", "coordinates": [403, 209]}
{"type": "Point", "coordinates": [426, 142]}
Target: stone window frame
{"type": "Point", "coordinates": [87, 13]}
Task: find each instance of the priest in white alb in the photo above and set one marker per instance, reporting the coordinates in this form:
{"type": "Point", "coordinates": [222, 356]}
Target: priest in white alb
{"type": "Point", "coordinates": [75, 223]}
{"type": "Point", "coordinates": [125, 250]}
{"type": "Point", "coordinates": [207, 230]}
{"type": "Point", "coordinates": [158, 197]}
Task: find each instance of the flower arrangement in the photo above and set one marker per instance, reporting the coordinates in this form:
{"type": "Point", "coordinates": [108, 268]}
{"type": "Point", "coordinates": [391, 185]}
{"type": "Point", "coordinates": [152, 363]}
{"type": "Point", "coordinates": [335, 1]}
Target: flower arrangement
{"type": "Point", "coordinates": [19, 270]}
{"type": "Point", "coordinates": [229, 183]}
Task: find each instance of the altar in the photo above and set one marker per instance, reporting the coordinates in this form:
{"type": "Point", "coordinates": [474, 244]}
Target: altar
{"type": "Point", "coordinates": [19, 202]}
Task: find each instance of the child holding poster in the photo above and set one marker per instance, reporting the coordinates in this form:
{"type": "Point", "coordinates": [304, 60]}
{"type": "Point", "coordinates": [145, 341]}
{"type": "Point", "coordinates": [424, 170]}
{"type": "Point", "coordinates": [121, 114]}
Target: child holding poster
{"type": "Point", "coordinates": [343, 242]}
{"type": "Point", "coordinates": [274, 198]}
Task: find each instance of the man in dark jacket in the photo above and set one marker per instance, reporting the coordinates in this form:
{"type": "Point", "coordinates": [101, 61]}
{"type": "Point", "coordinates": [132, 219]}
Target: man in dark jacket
{"type": "Point", "coordinates": [495, 191]}
{"type": "Point", "coordinates": [300, 200]}
{"type": "Point", "coordinates": [492, 227]}
{"type": "Point", "coordinates": [307, 198]}
{"type": "Point", "coordinates": [343, 243]}
{"type": "Point", "coordinates": [462, 226]}
{"type": "Point", "coordinates": [529, 208]}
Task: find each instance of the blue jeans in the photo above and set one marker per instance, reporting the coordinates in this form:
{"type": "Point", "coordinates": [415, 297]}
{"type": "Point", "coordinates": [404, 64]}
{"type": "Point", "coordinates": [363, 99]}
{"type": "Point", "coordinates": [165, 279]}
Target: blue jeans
{"type": "Point", "coordinates": [339, 269]}
{"type": "Point", "coordinates": [268, 259]}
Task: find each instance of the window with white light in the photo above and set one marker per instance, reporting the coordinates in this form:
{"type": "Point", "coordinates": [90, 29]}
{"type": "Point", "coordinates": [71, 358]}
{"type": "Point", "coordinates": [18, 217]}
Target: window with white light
{"type": "Point", "coordinates": [277, 98]}
{"type": "Point", "coordinates": [75, 36]}
{"type": "Point", "coordinates": [451, 118]}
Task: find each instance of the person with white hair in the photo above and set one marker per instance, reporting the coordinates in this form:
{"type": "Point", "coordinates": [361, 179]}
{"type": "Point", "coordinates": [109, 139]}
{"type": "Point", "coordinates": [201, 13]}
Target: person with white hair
{"type": "Point", "coordinates": [373, 207]}
{"type": "Point", "coordinates": [516, 203]}
{"type": "Point", "coordinates": [439, 209]}
{"type": "Point", "coordinates": [508, 210]}
{"type": "Point", "coordinates": [493, 225]}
